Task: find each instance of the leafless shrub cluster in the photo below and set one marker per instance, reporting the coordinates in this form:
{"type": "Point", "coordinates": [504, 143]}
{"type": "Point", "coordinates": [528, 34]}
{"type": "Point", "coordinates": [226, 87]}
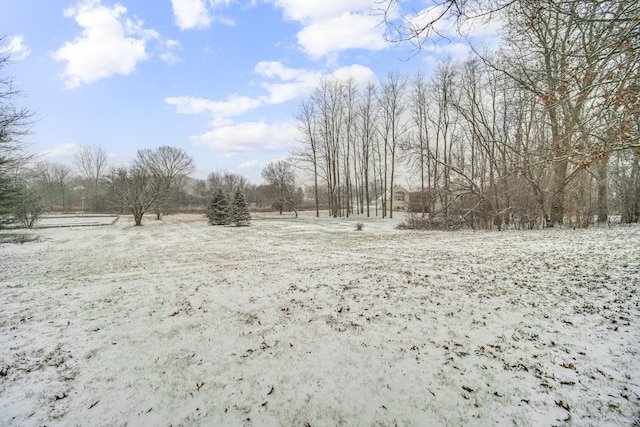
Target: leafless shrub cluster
{"type": "Point", "coordinates": [19, 238]}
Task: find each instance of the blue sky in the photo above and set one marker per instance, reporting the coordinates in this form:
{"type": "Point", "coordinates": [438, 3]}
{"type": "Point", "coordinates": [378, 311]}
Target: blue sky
{"type": "Point", "coordinates": [221, 79]}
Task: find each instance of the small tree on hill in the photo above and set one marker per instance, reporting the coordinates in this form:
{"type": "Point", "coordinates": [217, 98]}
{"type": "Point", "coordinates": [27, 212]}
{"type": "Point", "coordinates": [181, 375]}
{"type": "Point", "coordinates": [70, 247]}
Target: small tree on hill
{"type": "Point", "coordinates": [218, 211]}
{"type": "Point", "coordinates": [239, 214]}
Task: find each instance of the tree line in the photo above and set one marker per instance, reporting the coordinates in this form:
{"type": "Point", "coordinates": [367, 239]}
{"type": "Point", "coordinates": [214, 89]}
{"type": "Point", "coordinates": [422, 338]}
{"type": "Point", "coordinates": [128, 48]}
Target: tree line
{"type": "Point", "coordinates": [542, 131]}
{"type": "Point", "coordinates": [157, 181]}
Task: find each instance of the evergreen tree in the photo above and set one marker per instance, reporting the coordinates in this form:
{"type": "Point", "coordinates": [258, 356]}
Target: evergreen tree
{"type": "Point", "coordinates": [218, 211]}
{"type": "Point", "coordinates": [10, 201]}
{"type": "Point", "coordinates": [14, 124]}
{"type": "Point", "coordinates": [17, 205]}
{"type": "Point", "coordinates": [239, 214]}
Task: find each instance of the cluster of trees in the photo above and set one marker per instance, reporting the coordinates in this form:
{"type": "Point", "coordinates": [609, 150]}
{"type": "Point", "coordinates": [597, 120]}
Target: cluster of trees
{"type": "Point", "coordinates": [544, 130]}
{"type": "Point", "coordinates": [278, 192]}
{"type": "Point", "coordinates": [157, 181]}
{"type": "Point", "coordinates": [154, 181]}
{"type": "Point", "coordinates": [223, 211]}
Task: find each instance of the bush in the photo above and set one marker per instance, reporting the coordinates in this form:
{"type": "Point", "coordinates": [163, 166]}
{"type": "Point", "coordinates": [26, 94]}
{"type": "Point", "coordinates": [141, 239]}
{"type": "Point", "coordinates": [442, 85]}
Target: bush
{"type": "Point", "coordinates": [415, 221]}
{"type": "Point", "coordinates": [23, 237]}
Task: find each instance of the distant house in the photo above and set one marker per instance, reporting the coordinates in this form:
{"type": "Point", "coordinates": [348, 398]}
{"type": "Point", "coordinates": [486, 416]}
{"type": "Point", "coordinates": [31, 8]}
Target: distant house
{"type": "Point", "coordinates": [400, 198]}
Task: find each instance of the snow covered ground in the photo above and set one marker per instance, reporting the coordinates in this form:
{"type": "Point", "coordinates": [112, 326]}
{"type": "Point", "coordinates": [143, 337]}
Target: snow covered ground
{"type": "Point", "coordinates": [308, 322]}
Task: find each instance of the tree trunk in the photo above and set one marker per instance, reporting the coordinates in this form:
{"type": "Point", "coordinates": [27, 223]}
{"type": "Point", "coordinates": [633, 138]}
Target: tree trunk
{"type": "Point", "coordinates": [137, 217]}
{"type": "Point", "coordinates": [603, 209]}
{"type": "Point", "coordinates": [557, 197]}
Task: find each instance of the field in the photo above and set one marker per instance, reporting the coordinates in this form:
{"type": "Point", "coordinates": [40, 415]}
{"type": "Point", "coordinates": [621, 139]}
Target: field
{"type": "Point", "coordinates": [308, 322]}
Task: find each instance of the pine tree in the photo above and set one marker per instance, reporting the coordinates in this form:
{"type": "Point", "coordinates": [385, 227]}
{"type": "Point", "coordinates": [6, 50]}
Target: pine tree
{"type": "Point", "coordinates": [17, 205]}
{"type": "Point", "coordinates": [218, 212]}
{"type": "Point", "coordinates": [239, 214]}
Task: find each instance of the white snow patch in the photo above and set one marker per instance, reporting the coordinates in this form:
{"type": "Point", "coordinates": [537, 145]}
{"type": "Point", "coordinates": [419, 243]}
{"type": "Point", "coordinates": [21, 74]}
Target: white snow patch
{"type": "Point", "coordinates": [295, 321]}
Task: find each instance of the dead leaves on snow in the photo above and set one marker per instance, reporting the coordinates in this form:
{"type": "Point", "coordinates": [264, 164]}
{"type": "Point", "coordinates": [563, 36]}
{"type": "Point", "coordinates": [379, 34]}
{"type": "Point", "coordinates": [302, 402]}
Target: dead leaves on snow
{"type": "Point", "coordinates": [564, 405]}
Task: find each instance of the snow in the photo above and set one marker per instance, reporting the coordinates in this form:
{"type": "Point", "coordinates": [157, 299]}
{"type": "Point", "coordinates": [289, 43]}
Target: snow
{"type": "Point", "coordinates": [309, 322]}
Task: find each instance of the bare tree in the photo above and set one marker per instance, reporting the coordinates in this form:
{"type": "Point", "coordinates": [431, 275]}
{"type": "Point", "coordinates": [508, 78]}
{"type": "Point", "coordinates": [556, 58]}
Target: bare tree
{"type": "Point", "coordinates": [349, 141]}
{"type": "Point", "coordinates": [92, 163]}
{"type": "Point", "coordinates": [42, 178]}
{"type": "Point", "coordinates": [393, 126]}
{"type": "Point", "coordinates": [421, 26]}
{"type": "Point", "coordinates": [310, 152]}
{"type": "Point", "coordinates": [52, 181]}
{"type": "Point", "coordinates": [626, 182]}
{"type": "Point", "coordinates": [61, 175]}
{"type": "Point", "coordinates": [330, 109]}
{"type": "Point", "coordinates": [418, 146]}
{"type": "Point", "coordinates": [579, 60]}
{"type": "Point", "coordinates": [444, 121]}
{"type": "Point", "coordinates": [228, 182]}
{"type": "Point", "coordinates": [135, 188]}
{"type": "Point", "coordinates": [280, 178]}
{"type": "Point", "coordinates": [367, 133]}
{"type": "Point", "coordinates": [171, 167]}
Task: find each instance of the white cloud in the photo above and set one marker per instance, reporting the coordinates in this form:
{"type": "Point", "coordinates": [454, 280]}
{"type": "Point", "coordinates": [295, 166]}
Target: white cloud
{"type": "Point", "coordinates": [60, 151]}
{"type": "Point", "coordinates": [16, 48]}
{"type": "Point", "coordinates": [280, 93]}
{"type": "Point", "coordinates": [191, 14]}
{"type": "Point", "coordinates": [298, 82]}
{"type": "Point", "coordinates": [250, 165]}
{"type": "Point", "coordinates": [110, 44]}
{"type": "Point", "coordinates": [301, 82]}
{"type": "Point", "coordinates": [224, 20]}
{"type": "Point", "coordinates": [331, 26]}
{"type": "Point", "coordinates": [361, 74]}
{"type": "Point", "coordinates": [273, 69]}
{"type": "Point", "coordinates": [168, 55]}
{"type": "Point", "coordinates": [456, 50]}
{"type": "Point", "coordinates": [233, 106]}
{"type": "Point", "coordinates": [249, 137]}
{"type": "Point", "coordinates": [310, 11]}
{"type": "Point", "coordinates": [348, 31]}
{"type": "Point", "coordinates": [294, 83]}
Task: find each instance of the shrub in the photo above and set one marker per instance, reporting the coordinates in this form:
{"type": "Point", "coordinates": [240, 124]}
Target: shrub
{"type": "Point", "coordinates": [22, 237]}
{"type": "Point", "coordinates": [414, 221]}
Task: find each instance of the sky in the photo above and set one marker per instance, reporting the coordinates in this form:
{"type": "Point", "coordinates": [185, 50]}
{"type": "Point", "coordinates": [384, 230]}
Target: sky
{"type": "Point", "coordinates": [221, 79]}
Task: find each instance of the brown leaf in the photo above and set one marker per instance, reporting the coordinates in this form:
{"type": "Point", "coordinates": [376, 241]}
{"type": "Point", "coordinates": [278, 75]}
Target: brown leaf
{"type": "Point", "coordinates": [564, 405]}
